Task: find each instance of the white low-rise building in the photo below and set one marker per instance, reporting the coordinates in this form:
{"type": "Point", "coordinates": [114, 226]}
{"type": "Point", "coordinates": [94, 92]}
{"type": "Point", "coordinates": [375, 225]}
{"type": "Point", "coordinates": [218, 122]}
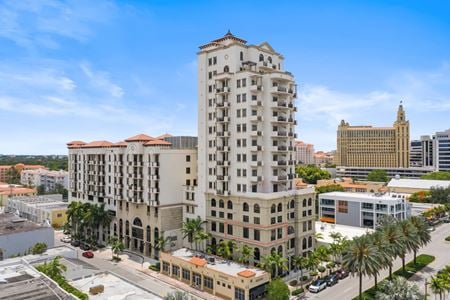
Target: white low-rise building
{"type": "Point", "coordinates": [361, 209]}
{"type": "Point", "coordinates": [326, 231]}
{"type": "Point", "coordinates": [410, 186]}
{"type": "Point", "coordinates": [48, 179]}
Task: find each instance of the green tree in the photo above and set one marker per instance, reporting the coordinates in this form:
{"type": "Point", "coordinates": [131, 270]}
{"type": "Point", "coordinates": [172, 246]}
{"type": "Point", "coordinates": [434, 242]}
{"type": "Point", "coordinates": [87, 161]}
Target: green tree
{"type": "Point", "coordinates": [161, 243]}
{"type": "Point", "coordinates": [313, 261]}
{"type": "Point", "coordinates": [12, 176]}
{"type": "Point", "coordinates": [245, 254]}
{"type": "Point", "coordinates": [437, 176]}
{"type": "Point", "coordinates": [437, 285]}
{"type": "Point", "coordinates": [378, 176]}
{"type": "Point", "coordinates": [40, 190]}
{"type": "Point", "coordinates": [200, 237]}
{"type": "Point", "coordinates": [394, 238]}
{"type": "Point", "coordinates": [329, 188]}
{"type": "Point", "coordinates": [362, 258]}
{"type": "Point", "coordinates": [178, 295]}
{"type": "Point", "coordinates": [225, 249]}
{"type": "Point", "coordinates": [398, 289]}
{"type": "Point", "coordinates": [38, 248]}
{"type": "Point", "coordinates": [410, 239]}
{"type": "Point", "coordinates": [423, 235]}
{"type": "Point", "coordinates": [311, 173]}
{"type": "Point", "coordinates": [116, 246]}
{"type": "Point", "coordinates": [278, 290]}
{"type": "Point", "coordinates": [192, 227]}
{"type": "Point", "coordinates": [384, 251]}
{"type": "Point", "coordinates": [439, 195]}
{"type": "Point", "coordinates": [300, 262]}
{"type": "Point", "coordinates": [54, 268]}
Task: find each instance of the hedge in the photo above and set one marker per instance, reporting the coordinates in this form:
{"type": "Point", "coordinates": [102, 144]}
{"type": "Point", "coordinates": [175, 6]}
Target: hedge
{"type": "Point", "coordinates": [297, 292]}
{"type": "Point", "coordinates": [447, 238]}
{"type": "Point", "coordinates": [62, 282]}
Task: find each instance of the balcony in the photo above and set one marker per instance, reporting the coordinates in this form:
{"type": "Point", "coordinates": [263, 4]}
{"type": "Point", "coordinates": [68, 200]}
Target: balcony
{"type": "Point", "coordinates": [223, 133]}
{"type": "Point", "coordinates": [266, 66]}
{"type": "Point", "coordinates": [255, 103]}
{"type": "Point", "coordinates": [256, 178]}
{"type": "Point", "coordinates": [256, 133]}
{"type": "Point", "coordinates": [224, 163]}
{"type": "Point", "coordinates": [282, 76]}
{"type": "Point", "coordinates": [280, 105]}
{"type": "Point", "coordinates": [279, 90]}
{"type": "Point", "coordinates": [223, 178]}
{"type": "Point", "coordinates": [223, 76]}
{"type": "Point", "coordinates": [223, 148]}
{"type": "Point", "coordinates": [280, 178]}
{"type": "Point", "coordinates": [281, 163]}
{"type": "Point", "coordinates": [223, 90]}
{"type": "Point", "coordinates": [281, 133]}
{"type": "Point", "coordinates": [223, 104]}
{"type": "Point", "coordinates": [256, 163]}
{"type": "Point", "coordinates": [256, 88]}
{"type": "Point", "coordinates": [223, 120]}
{"type": "Point", "coordinates": [279, 148]}
{"type": "Point", "coordinates": [256, 118]}
{"type": "Point", "coordinates": [256, 148]}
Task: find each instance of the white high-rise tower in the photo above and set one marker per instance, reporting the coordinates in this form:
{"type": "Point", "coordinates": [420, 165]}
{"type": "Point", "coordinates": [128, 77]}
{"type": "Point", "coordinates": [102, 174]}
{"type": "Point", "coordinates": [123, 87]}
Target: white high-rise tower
{"type": "Point", "coordinates": [246, 150]}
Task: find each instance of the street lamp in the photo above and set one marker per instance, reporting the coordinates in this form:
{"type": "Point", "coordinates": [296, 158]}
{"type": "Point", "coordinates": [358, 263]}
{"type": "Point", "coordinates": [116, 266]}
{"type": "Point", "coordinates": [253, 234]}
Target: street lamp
{"type": "Point", "coordinates": [426, 285]}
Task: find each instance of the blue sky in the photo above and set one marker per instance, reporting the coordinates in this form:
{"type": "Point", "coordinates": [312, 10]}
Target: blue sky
{"type": "Point", "coordinates": [90, 70]}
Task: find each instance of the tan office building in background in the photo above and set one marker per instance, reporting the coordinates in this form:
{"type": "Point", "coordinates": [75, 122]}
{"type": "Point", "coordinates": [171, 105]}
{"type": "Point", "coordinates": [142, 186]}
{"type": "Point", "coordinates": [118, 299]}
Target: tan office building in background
{"type": "Point", "coordinates": [367, 146]}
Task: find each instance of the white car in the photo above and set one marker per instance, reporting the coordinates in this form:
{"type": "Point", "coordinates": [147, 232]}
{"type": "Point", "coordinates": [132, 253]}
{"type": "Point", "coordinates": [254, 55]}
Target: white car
{"type": "Point", "coordinates": [66, 239]}
{"type": "Point", "coordinates": [317, 286]}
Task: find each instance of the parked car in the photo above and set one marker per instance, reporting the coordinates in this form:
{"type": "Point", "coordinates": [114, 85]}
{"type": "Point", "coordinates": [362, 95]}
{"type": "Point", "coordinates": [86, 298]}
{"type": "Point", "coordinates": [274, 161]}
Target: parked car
{"type": "Point", "coordinates": [445, 219]}
{"type": "Point", "coordinates": [317, 286]}
{"type": "Point", "coordinates": [331, 279]}
{"type": "Point", "coordinates": [341, 273]}
{"type": "Point", "coordinates": [66, 239]}
{"type": "Point", "coordinates": [88, 254]}
{"type": "Point", "coordinates": [75, 243]}
{"type": "Point", "coordinates": [85, 247]}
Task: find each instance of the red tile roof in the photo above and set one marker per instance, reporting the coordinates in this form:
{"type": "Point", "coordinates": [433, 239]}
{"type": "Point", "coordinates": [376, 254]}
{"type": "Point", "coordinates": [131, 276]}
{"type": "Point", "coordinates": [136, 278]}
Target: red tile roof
{"type": "Point", "coordinates": [247, 273]}
{"type": "Point", "coordinates": [201, 262]}
{"type": "Point", "coordinates": [157, 143]}
{"type": "Point", "coordinates": [139, 138]}
{"type": "Point", "coordinates": [120, 144]}
{"type": "Point", "coordinates": [163, 136]}
{"type": "Point", "coordinates": [97, 144]}
{"type": "Point", "coordinates": [75, 143]}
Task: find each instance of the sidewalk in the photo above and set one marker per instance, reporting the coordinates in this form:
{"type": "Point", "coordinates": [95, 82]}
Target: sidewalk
{"type": "Point", "coordinates": [105, 254]}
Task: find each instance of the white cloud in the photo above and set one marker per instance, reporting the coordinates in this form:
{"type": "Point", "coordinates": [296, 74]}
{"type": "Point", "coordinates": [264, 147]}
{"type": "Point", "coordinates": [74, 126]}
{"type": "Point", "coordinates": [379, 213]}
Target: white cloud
{"type": "Point", "coordinates": [101, 81]}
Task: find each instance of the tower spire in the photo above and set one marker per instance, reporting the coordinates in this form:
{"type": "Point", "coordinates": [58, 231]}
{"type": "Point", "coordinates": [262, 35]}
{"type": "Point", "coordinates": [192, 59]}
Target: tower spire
{"type": "Point", "coordinates": [401, 113]}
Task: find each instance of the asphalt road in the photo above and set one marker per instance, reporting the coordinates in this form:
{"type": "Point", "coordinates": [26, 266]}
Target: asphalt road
{"type": "Point", "coordinates": [348, 288]}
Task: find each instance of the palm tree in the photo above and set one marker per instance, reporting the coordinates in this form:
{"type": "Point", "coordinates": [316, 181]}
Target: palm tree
{"type": "Point", "coordinates": [116, 246]}
{"type": "Point", "coordinates": [323, 253]}
{"type": "Point", "coordinates": [279, 262]}
{"type": "Point", "coordinates": [437, 286]}
{"type": "Point", "coordinates": [399, 288]}
{"type": "Point", "coordinates": [54, 268]}
{"type": "Point", "coordinates": [161, 243]}
{"type": "Point", "coordinates": [177, 295]}
{"type": "Point", "coordinates": [318, 236]}
{"type": "Point", "coordinates": [312, 262]}
{"type": "Point", "coordinates": [300, 263]}
{"type": "Point", "coordinates": [410, 239]}
{"type": "Point", "coordinates": [200, 237]}
{"type": "Point", "coordinates": [394, 238]}
{"type": "Point", "coordinates": [273, 263]}
{"type": "Point", "coordinates": [362, 258]}
{"type": "Point", "coordinates": [74, 215]}
{"type": "Point", "coordinates": [384, 251]}
{"type": "Point", "coordinates": [225, 249]}
{"type": "Point", "coordinates": [245, 254]}
{"type": "Point", "coordinates": [267, 264]}
{"type": "Point", "coordinates": [423, 234]}
{"type": "Point", "coordinates": [191, 227]}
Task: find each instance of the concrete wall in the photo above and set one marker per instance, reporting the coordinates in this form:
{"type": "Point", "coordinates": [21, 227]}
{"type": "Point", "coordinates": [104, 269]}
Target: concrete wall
{"type": "Point", "coordinates": [352, 218]}
{"type": "Point", "coordinates": [20, 242]}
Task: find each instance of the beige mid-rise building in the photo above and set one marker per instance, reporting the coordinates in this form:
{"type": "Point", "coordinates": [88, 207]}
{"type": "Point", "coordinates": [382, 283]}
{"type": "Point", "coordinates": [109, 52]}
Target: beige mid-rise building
{"type": "Point", "coordinates": [144, 182]}
{"type": "Point", "coordinates": [367, 146]}
{"type": "Point", "coordinates": [246, 153]}
{"type": "Point", "coordinates": [304, 153]}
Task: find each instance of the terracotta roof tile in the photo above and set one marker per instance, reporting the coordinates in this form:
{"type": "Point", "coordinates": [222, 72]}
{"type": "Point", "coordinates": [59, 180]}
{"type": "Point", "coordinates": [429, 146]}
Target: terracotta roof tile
{"type": "Point", "coordinates": [157, 143]}
{"type": "Point", "coordinates": [246, 273]}
{"type": "Point", "coordinates": [163, 136]}
{"type": "Point", "coordinates": [120, 144]}
{"type": "Point", "coordinates": [97, 144]}
{"type": "Point", "coordinates": [201, 262]}
{"type": "Point", "coordinates": [72, 143]}
{"type": "Point", "coordinates": [139, 138]}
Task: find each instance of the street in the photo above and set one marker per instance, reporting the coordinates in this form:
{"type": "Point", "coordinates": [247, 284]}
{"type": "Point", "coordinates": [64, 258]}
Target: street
{"type": "Point", "coordinates": [347, 288]}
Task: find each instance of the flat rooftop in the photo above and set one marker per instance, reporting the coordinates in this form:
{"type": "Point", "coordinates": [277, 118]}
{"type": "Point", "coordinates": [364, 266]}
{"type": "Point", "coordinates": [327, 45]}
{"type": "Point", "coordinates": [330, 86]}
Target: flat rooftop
{"type": "Point", "coordinates": [418, 183]}
{"type": "Point", "coordinates": [219, 264]}
{"type": "Point", "coordinates": [10, 223]}
{"type": "Point", "coordinates": [364, 196]}
{"type": "Point", "coordinates": [346, 231]}
{"type": "Point", "coordinates": [25, 283]}
{"type": "Point", "coordinates": [276, 195]}
{"type": "Point", "coordinates": [114, 288]}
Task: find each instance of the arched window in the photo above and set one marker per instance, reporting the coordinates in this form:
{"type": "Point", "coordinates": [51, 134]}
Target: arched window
{"type": "Point", "coordinates": [261, 57]}
{"type": "Point", "coordinates": [269, 59]}
{"type": "Point", "coordinates": [256, 254]}
{"type": "Point", "coordinates": [229, 204]}
{"type": "Point", "coordinates": [280, 207]}
{"type": "Point", "coordinates": [137, 222]}
{"type": "Point", "coordinates": [221, 203]}
{"type": "Point", "coordinates": [245, 206]}
{"type": "Point", "coordinates": [241, 56]}
{"type": "Point", "coordinates": [292, 203]}
{"type": "Point", "coordinates": [226, 69]}
{"type": "Point", "coordinates": [310, 242]}
{"type": "Point", "coordinates": [304, 202]}
{"type": "Point", "coordinates": [273, 208]}
{"type": "Point", "coordinates": [272, 251]}
{"type": "Point", "coordinates": [256, 208]}
{"type": "Point", "coordinates": [304, 245]}
{"type": "Point", "coordinates": [148, 233]}
{"type": "Point", "coordinates": [309, 202]}
{"type": "Point", "coordinates": [213, 241]}
{"type": "Point", "coordinates": [213, 202]}
{"type": "Point", "coordinates": [156, 233]}
{"type": "Point", "coordinates": [280, 249]}
{"type": "Point", "coordinates": [291, 230]}
{"type": "Point", "coordinates": [127, 228]}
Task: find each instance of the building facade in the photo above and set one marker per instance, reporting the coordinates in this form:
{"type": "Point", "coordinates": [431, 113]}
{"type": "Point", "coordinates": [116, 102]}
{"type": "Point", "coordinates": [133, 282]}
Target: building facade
{"type": "Point", "coordinates": [144, 182]}
{"type": "Point", "coordinates": [367, 146]}
{"type": "Point", "coordinates": [40, 209]}
{"type": "Point", "coordinates": [441, 149]}
{"type": "Point", "coordinates": [246, 152]}
{"type": "Point", "coordinates": [416, 154]}
{"type": "Point", "coordinates": [48, 179]}
{"type": "Point", "coordinates": [5, 170]}
{"type": "Point", "coordinates": [361, 210]}
{"type": "Point", "coordinates": [304, 153]}
{"type": "Point", "coordinates": [362, 172]}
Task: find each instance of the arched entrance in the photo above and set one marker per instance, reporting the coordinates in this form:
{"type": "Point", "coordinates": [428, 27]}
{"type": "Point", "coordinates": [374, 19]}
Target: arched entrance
{"type": "Point", "coordinates": [137, 235]}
